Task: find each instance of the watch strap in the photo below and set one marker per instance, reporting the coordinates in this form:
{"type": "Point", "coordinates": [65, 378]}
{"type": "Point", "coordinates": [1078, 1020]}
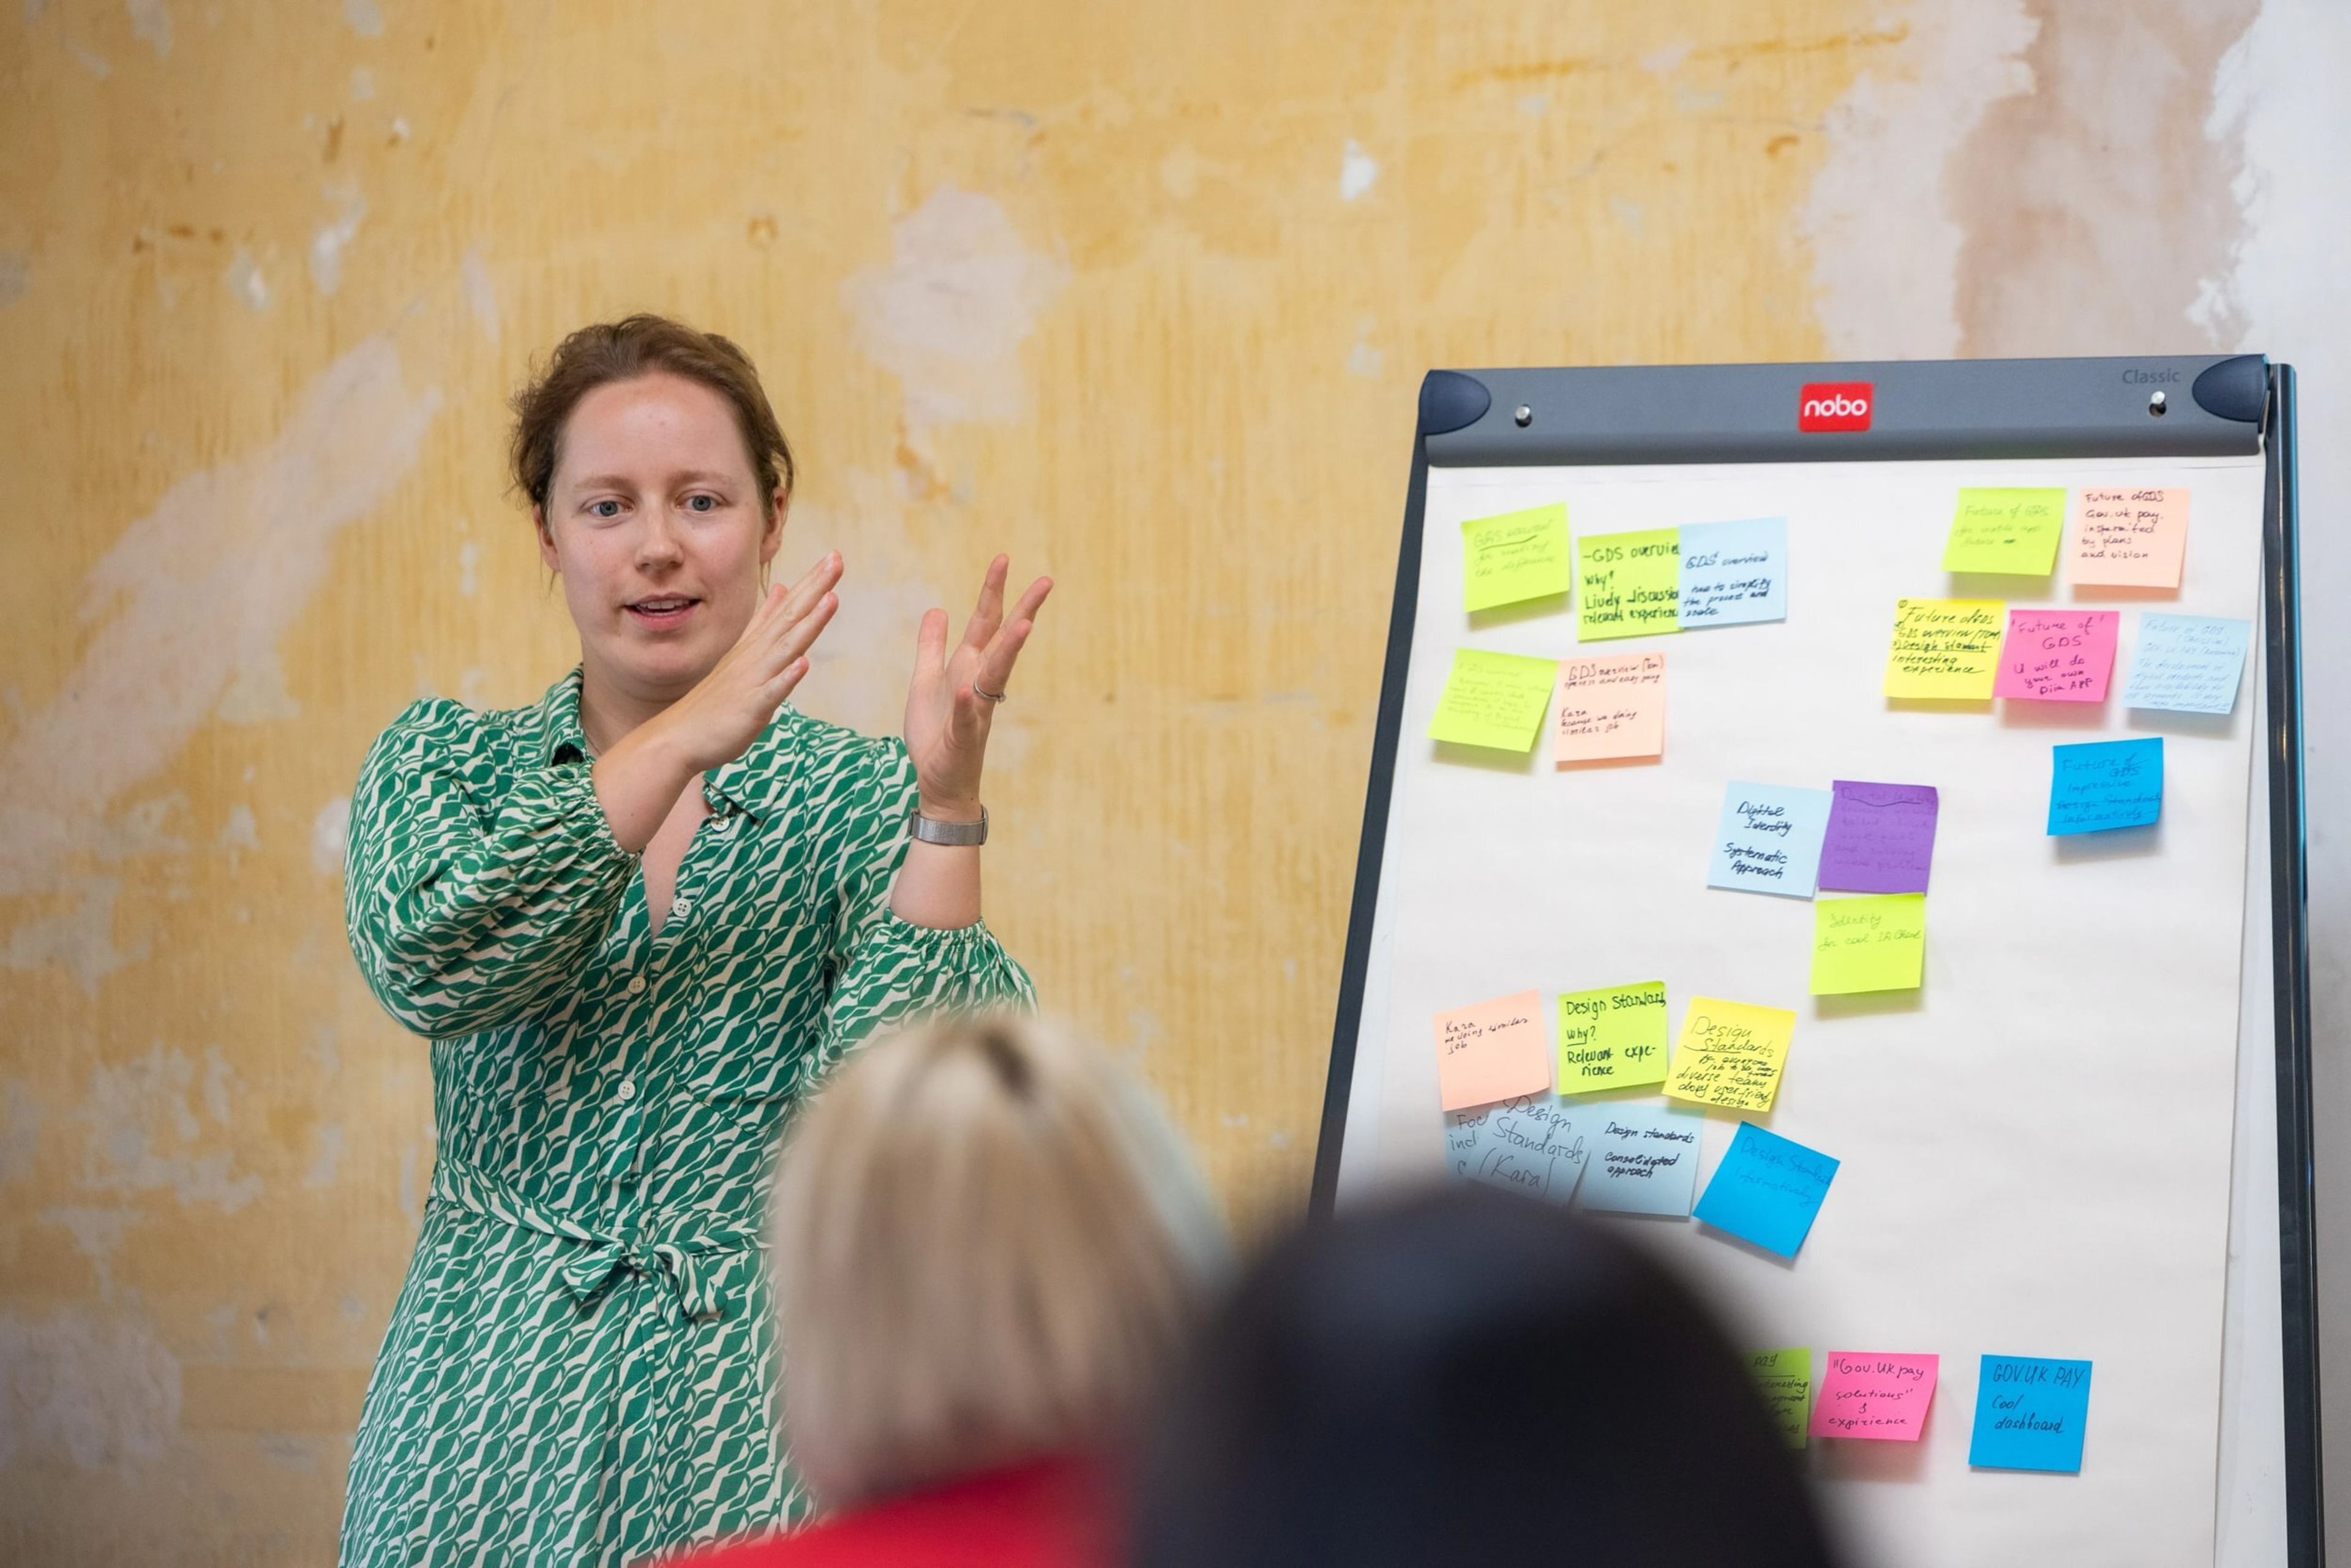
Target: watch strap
{"type": "Point", "coordinates": [931, 830]}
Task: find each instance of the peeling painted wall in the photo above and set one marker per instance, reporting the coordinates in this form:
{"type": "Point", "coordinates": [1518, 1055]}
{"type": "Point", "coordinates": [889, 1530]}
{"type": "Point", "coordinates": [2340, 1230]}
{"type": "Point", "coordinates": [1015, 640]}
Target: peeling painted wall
{"type": "Point", "coordinates": [1140, 293]}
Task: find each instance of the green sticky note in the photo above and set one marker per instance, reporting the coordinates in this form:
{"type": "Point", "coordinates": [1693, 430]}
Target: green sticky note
{"type": "Point", "coordinates": [1873, 944]}
{"type": "Point", "coordinates": [1785, 1376]}
{"type": "Point", "coordinates": [1628, 585]}
{"type": "Point", "coordinates": [1514, 557]}
{"type": "Point", "coordinates": [1493, 700]}
{"type": "Point", "coordinates": [2010, 530]}
{"type": "Point", "coordinates": [1613, 1038]}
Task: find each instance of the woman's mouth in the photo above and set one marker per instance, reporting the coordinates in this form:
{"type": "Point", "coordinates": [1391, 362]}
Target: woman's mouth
{"type": "Point", "coordinates": [664, 610]}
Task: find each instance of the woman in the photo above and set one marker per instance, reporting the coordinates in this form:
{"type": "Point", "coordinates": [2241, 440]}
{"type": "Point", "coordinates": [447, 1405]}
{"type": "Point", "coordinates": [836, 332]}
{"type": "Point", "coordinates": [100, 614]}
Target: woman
{"type": "Point", "coordinates": [639, 919]}
{"type": "Point", "coordinates": [988, 1248]}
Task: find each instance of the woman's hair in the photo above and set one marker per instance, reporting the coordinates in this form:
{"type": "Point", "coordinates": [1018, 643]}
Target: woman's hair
{"type": "Point", "coordinates": [989, 1244]}
{"type": "Point", "coordinates": [1461, 1375]}
{"type": "Point", "coordinates": [621, 350]}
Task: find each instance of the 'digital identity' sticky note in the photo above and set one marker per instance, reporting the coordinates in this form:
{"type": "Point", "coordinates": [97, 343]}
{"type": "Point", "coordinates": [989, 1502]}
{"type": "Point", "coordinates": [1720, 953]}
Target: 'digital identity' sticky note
{"type": "Point", "coordinates": [1769, 839]}
{"type": "Point", "coordinates": [1514, 557]}
{"type": "Point", "coordinates": [1493, 700]}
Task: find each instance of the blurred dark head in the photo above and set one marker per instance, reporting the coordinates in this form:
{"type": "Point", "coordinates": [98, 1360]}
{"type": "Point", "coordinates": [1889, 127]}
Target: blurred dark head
{"type": "Point", "coordinates": [1462, 1374]}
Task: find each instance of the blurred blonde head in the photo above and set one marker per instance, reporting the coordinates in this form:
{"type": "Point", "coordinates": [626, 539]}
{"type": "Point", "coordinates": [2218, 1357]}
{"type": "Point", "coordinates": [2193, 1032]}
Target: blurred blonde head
{"type": "Point", "coordinates": [989, 1244]}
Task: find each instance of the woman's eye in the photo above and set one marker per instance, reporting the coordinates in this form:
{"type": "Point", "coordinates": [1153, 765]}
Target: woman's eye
{"type": "Point", "coordinates": [702, 503]}
{"type": "Point", "coordinates": [605, 508]}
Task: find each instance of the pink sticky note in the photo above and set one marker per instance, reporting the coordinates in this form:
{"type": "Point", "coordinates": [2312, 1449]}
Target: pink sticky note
{"type": "Point", "coordinates": [1493, 1051]}
{"type": "Point", "coordinates": [2058, 656]}
{"type": "Point", "coordinates": [1609, 708]}
{"type": "Point", "coordinates": [2129, 539]}
{"type": "Point", "coordinates": [1874, 1395]}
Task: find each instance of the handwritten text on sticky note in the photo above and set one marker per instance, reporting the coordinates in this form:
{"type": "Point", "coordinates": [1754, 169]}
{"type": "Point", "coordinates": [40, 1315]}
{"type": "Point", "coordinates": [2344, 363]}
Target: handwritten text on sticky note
{"type": "Point", "coordinates": [1730, 1054]}
{"type": "Point", "coordinates": [1493, 700]}
{"type": "Point", "coordinates": [1874, 943]}
{"type": "Point", "coordinates": [2187, 663]}
{"type": "Point", "coordinates": [1514, 557]}
{"type": "Point", "coordinates": [1767, 1189]}
{"type": "Point", "coordinates": [1532, 1143]}
{"type": "Point", "coordinates": [1644, 1159]}
{"type": "Point", "coordinates": [2006, 530]}
{"type": "Point", "coordinates": [1733, 572]}
{"type": "Point", "coordinates": [1493, 1051]}
{"type": "Point", "coordinates": [2129, 539]}
{"type": "Point", "coordinates": [2030, 1413]}
{"type": "Point", "coordinates": [1874, 1395]}
{"type": "Point", "coordinates": [1613, 1038]}
{"type": "Point", "coordinates": [1609, 707]}
{"type": "Point", "coordinates": [1769, 839]}
{"type": "Point", "coordinates": [1785, 1376]}
{"type": "Point", "coordinates": [1944, 648]}
{"type": "Point", "coordinates": [2106, 784]}
{"type": "Point", "coordinates": [2058, 656]}
{"type": "Point", "coordinates": [1627, 585]}
{"type": "Point", "coordinates": [1881, 837]}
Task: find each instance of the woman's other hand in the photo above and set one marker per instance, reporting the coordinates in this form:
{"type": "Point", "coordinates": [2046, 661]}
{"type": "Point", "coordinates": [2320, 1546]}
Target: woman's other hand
{"type": "Point", "coordinates": [953, 699]}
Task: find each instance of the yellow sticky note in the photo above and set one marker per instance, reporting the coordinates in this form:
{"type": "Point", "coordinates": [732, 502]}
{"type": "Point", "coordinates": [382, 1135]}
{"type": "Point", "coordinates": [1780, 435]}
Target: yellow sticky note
{"type": "Point", "coordinates": [1628, 585]}
{"type": "Point", "coordinates": [1493, 1051]}
{"type": "Point", "coordinates": [1945, 647]}
{"type": "Point", "coordinates": [2008, 531]}
{"type": "Point", "coordinates": [1613, 1038]}
{"type": "Point", "coordinates": [1873, 943]}
{"type": "Point", "coordinates": [1786, 1379]}
{"type": "Point", "coordinates": [2129, 539]}
{"type": "Point", "coordinates": [1514, 556]}
{"type": "Point", "coordinates": [1730, 1054]}
{"type": "Point", "coordinates": [1493, 700]}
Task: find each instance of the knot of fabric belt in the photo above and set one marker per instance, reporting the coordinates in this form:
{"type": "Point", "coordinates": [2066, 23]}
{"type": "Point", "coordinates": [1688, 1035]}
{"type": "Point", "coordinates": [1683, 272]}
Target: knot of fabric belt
{"type": "Point", "coordinates": [588, 1273]}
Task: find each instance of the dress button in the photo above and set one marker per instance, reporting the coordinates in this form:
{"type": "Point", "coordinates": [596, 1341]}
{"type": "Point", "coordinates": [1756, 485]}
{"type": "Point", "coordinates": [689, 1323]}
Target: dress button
{"type": "Point", "coordinates": [628, 1088]}
{"type": "Point", "coordinates": [682, 908]}
{"type": "Point", "coordinates": [636, 985]}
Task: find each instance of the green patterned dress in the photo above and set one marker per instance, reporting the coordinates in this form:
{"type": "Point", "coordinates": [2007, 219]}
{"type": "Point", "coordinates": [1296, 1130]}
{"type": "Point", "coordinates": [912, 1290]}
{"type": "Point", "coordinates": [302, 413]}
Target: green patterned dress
{"type": "Point", "coordinates": [580, 1368]}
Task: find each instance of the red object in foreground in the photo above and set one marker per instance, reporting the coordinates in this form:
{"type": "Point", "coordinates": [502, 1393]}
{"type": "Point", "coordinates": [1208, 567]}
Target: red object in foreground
{"type": "Point", "coordinates": [1049, 1513]}
{"type": "Point", "coordinates": [1834, 405]}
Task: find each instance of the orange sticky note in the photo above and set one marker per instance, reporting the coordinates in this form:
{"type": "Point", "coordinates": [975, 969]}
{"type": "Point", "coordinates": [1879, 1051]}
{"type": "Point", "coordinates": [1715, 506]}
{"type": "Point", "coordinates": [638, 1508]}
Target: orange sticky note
{"type": "Point", "coordinates": [1493, 1051]}
{"type": "Point", "coordinates": [2129, 539]}
{"type": "Point", "coordinates": [1610, 707]}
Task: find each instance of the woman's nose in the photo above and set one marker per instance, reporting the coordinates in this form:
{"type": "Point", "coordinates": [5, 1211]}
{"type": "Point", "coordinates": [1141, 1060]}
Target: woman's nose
{"type": "Point", "coordinates": [658, 544]}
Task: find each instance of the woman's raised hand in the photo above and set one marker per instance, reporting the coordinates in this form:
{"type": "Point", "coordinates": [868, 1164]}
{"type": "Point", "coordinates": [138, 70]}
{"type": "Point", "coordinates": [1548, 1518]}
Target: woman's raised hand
{"type": "Point", "coordinates": [954, 696]}
{"type": "Point", "coordinates": [728, 708]}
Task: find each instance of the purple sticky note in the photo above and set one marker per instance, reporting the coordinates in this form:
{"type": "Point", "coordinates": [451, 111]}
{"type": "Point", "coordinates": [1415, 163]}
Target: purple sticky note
{"type": "Point", "coordinates": [1881, 837]}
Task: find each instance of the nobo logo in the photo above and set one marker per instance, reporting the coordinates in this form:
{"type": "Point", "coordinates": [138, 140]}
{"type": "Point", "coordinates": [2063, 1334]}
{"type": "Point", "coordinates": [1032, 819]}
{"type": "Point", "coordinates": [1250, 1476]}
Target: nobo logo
{"type": "Point", "coordinates": [1834, 405]}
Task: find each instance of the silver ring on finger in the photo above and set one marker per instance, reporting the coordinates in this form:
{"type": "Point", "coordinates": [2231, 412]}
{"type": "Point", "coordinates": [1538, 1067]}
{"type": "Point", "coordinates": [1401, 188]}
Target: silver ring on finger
{"type": "Point", "coordinates": [982, 691]}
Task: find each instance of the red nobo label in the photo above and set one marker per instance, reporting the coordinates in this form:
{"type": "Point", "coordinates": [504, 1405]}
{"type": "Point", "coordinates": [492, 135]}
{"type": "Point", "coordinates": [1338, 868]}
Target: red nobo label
{"type": "Point", "coordinates": [1834, 405]}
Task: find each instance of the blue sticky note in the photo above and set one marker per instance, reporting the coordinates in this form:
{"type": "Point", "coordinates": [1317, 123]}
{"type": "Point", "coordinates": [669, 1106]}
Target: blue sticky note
{"type": "Point", "coordinates": [2187, 663]}
{"type": "Point", "coordinates": [1643, 1158]}
{"type": "Point", "coordinates": [1769, 839]}
{"type": "Point", "coordinates": [2106, 784]}
{"type": "Point", "coordinates": [1767, 1189]}
{"type": "Point", "coordinates": [2029, 1411]}
{"type": "Point", "coordinates": [1535, 1143]}
{"type": "Point", "coordinates": [1734, 572]}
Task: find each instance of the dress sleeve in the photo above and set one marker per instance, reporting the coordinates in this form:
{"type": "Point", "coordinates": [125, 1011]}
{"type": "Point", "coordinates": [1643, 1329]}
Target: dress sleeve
{"type": "Point", "coordinates": [465, 918]}
{"type": "Point", "coordinates": [886, 970]}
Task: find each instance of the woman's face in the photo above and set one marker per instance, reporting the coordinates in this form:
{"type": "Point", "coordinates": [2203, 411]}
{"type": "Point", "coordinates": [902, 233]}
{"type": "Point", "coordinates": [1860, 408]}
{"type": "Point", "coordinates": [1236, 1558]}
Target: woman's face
{"type": "Point", "coordinates": [655, 523]}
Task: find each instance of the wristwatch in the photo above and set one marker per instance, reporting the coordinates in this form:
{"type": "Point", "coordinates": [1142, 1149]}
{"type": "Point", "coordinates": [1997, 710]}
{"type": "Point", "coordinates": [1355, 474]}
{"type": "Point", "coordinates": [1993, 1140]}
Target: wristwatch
{"type": "Point", "coordinates": [931, 830]}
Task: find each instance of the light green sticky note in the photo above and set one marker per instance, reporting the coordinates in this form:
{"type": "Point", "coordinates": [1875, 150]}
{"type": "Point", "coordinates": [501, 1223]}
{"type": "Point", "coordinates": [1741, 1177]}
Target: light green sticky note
{"type": "Point", "coordinates": [1515, 557]}
{"type": "Point", "coordinates": [2010, 530]}
{"type": "Point", "coordinates": [1628, 585]}
{"type": "Point", "coordinates": [1873, 944]}
{"type": "Point", "coordinates": [1494, 700]}
{"type": "Point", "coordinates": [1785, 1376]}
{"type": "Point", "coordinates": [1613, 1038]}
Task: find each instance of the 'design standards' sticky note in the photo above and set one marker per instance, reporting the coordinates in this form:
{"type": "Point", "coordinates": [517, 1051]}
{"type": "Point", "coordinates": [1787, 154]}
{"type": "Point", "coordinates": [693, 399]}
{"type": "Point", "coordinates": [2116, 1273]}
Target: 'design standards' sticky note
{"type": "Point", "coordinates": [2187, 663]}
{"type": "Point", "coordinates": [1732, 573]}
{"type": "Point", "coordinates": [1875, 1394]}
{"type": "Point", "coordinates": [1644, 1159]}
{"type": "Point", "coordinates": [1767, 1189]}
{"type": "Point", "coordinates": [2030, 1413]}
{"type": "Point", "coordinates": [1533, 1144]}
{"type": "Point", "coordinates": [1514, 557]}
{"type": "Point", "coordinates": [2128, 539]}
{"type": "Point", "coordinates": [1730, 1054]}
{"type": "Point", "coordinates": [1769, 839]}
{"type": "Point", "coordinates": [1610, 707]}
{"type": "Point", "coordinates": [1785, 1377]}
{"type": "Point", "coordinates": [1945, 649]}
{"type": "Point", "coordinates": [2006, 530]}
{"type": "Point", "coordinates": [1493, 1051]}
{"type": "Point", "coordinates": [2104, 784]}
{"type": "Point", "coordinates": [1493, 700]}
{"type": "Point", "coordinates": [1627, 585]}
{"type": "Point", "coordinates": [1873, 943]}
{"type": "Point", "coordinates": [2057, 656]}
{"type": "Point", "coordinates": [1612, 1037]}
{"type": "Point", "coordinates": [1880, 838]}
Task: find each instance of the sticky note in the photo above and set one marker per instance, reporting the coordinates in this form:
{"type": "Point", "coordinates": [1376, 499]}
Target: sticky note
{"type": "Point", "coordinates": [1733, 572]}
{"type": "Point", "coordinates": [1610, 706]}
{"type": "Point", "coordinates": [1876, 943]}
{"type": "Point", "coordinates": [1730, 1054]}
{"type": "Point", "coordinates": [1494, 700]}
{"type": "Point", "coordinates": [1494, 1050]}
{"type": "Point", "coordinates": [1644, 1159]}
{"type": "Point", "coordinates": [2104, 784]}
{"type": "Point", "coordinates": [2006, 530]}
{"type": "Point", "coordinates": [2129, 539]}
{"type": "Point", "coordinates": [1613, 1038]}
{"type": "Point", "coordinates": [2030, 1413]}
{"type": "Point", "coordinates": [1627, 585]}
{"type": "Point", "coordinates": [1514, 557]}
{"type": "Point", "coordinates": [1769, 839]}
{"type": "Point", "coordinates": [1785, 1377]}
{"type": "Point", "coordinates": [1880, 838]}
{"type": "Point", "coordinates": [1944, 648]}
{"type": "Point", "coordinates": [1531, 1143]}
{"type": "Point", "coordinates": [2187, 663]}
{"type": "Point", "coordinates": [1767, 1189]}
{"type": "Point", "coordinates": [1874, 1395]}
{"type": "Point", "coordinates": [2057, 656]}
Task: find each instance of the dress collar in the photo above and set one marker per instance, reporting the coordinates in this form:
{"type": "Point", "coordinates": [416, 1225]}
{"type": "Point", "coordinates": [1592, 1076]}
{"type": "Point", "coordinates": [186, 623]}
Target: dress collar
{"type": "Point", "coordinates": [752, 783]}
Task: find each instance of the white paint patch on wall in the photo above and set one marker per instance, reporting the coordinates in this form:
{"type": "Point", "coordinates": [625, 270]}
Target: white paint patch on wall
{"type": "Point", "coordinates": [329, 240]}
{"type": "Point", "coordinates": [363, 18]}
{"type": "Point", "coordinates": [1884, 248]}
{"type": "Point", "coordinates": [100, 1393]}
{"type": "Point", "coordinates": [481, 295]}
{"type": "Point", "coordinates": [1358, 172]}
{"type": "Point", "coordinates": [147, 1132]}
{"type": "Point", "coordinates": [244, 280]}
{"type": "Point", "coordinates": [329, 830]}
{"type": "Point", "coordinates": [151, 24]}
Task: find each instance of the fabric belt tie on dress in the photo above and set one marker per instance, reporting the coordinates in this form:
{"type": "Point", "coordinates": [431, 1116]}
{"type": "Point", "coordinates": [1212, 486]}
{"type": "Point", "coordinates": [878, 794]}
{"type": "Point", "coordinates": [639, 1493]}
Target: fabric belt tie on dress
{"type": "Point", "coordinates": [684, 1260]}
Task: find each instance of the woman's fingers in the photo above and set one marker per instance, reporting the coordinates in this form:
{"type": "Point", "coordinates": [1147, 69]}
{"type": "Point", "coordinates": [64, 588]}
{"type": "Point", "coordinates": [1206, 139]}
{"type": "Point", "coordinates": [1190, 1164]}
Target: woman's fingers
{"type": "Point", "coordinates": [996, 664]}
{"type": "Point", "coordinates": [931, 641]}
{"type": "Point", "coordinates": [989, 613]}
{"type": "Point", "coordinates": [802, 633]}
{"type": "Point", "coordinates": [786, 679]}
{"type": "Point", "coordinates": [813, 585]}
